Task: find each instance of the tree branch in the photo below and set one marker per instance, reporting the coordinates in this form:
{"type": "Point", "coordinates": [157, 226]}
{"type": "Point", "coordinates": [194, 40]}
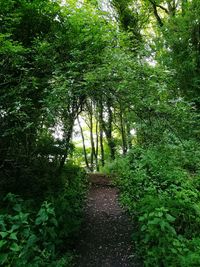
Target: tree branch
{"type": "Point", "coordinates": [155, 11]}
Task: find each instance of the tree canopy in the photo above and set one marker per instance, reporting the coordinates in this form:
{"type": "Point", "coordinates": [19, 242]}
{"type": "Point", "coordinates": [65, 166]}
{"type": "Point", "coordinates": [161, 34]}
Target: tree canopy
{"type": "Point", "coordinates": [122, 79]}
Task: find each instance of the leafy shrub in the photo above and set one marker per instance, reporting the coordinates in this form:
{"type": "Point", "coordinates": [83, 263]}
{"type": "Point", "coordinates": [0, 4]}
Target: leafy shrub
{"type": "Point", "coordinates": [160, 188]}
{"type": "Point", "coordinates": [31, 236]}
{"type": "Point", "coordinates": [69, 201]}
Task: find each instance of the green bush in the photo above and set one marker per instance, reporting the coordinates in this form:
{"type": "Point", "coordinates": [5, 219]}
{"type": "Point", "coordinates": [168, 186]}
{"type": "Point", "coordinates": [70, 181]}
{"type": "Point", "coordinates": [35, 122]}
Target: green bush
{"type": "Point", "coordinates": [29, 238]}
{"type": "Point", "coordinates": [42, 236]}
{"type": "Point", "coordinates": [69, 201]}
{"type": "Point", "coordinates": [160, 188]}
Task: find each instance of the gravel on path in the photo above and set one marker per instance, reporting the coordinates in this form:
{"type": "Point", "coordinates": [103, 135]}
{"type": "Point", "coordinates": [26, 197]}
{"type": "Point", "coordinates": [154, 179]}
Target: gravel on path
{"type": "Point", "coordinates": [105, 239]}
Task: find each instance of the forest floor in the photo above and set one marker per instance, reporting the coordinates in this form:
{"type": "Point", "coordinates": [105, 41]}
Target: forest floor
{"type": "Point", "coordinates": [105, 239]}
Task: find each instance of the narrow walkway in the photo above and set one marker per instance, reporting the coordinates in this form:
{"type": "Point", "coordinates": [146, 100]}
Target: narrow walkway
{"type": "Point", "coordinates": [105, 240]}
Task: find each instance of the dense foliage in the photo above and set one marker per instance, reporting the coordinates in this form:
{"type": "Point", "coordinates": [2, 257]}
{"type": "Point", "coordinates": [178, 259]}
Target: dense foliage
{"type": "Point", "coordinates": [130, 71]}
{"type": "Point", "coordinates": [160, 189]}
{"type": "Point", "coordinates": [34, 234]}
{"type": "Point", "coordinates": [159, 177]}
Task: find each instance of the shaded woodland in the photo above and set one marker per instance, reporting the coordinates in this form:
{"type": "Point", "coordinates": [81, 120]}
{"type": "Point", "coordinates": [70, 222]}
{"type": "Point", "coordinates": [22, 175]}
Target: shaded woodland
{"type": "Point", "coordinates": [122, 79]}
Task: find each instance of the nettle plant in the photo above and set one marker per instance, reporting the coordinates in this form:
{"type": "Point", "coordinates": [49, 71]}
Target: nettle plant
{"type": "Point", "coordinates": [27, 238]}
{"type": "Point", "coordinates": [160, 188]}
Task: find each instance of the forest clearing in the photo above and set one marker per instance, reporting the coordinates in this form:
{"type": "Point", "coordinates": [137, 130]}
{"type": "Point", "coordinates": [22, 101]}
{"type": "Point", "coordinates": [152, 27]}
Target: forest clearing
{"type": "Point", "coordinates": [100, 133]}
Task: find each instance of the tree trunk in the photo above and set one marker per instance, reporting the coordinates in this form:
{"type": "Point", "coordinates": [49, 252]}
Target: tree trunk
{"type": "Point", "coordinates": [129, 137]}
{"type": "Point", "coordinates": [97, 145]}
{"type": "Point", "coordinates": [90, 109]}
{"type": "Point", "coordinates": [101, 133]}
{"type": "Point", "coordinates": [107, 127]}
{"type": "Point", "coordinates": [108, 132]}
{"type": "Point", "coordinates": [67, 141]}
{"type": "Point", "coordinates": [123, 133]}
{"type": "Point", "coordinates": [83, 141]}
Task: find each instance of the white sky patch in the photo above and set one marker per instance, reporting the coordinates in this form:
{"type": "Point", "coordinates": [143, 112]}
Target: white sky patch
{"type": "Point", "coordinates": [133, 132]}
{"type": "Point", "coordinates": [152, 62]}
{"type": "Point", "coordinates": [58, 131]}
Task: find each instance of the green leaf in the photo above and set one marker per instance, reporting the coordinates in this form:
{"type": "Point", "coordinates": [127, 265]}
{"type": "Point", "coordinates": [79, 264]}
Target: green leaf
{"type": "Point", "coordinates": [41, 219]}
{"type": "Point", "coordinates": [170, 218]}
{"type": "Point", "coordinates": [2, 243]}
{"type": "Point", "coordinates": [142, 218]}
{"type": "Point", "coordinates": [13, 236]}
{"type": "Point", "coordinates": [174, 250]}
{"type": "Point", "coordinates": [154, 221]}
{"type": "Point", "coordinates": [14, 247]}
{"type": "Point", "coordinates": [32, 240]}
{"type": "Point", "coordinates": [163, 225]}
{"type": "Point", "coordinates": [54, 221]}
{"type": "Point", "coordinates": [143, 228]}
{"type": "Point", "coordinates": [15, 227]}
{"type": "Point", "coordinates": [3, 258]}
{"type": "Point", "coordinates": [17, 207]}
{"type": "Point", "coordinates": [160, 214]}
{"type": "Point", "coordinates": [3, 234]}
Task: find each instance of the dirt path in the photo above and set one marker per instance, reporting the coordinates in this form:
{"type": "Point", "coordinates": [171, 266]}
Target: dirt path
{"type": "Point", "coordinates": [105, 240]}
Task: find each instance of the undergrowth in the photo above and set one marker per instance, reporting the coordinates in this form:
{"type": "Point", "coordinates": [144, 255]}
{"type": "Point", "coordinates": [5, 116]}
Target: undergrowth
{"type": "Point", "coordinates": [160, 188]}
{"type": "Point", "coordinates": [41, 235]}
